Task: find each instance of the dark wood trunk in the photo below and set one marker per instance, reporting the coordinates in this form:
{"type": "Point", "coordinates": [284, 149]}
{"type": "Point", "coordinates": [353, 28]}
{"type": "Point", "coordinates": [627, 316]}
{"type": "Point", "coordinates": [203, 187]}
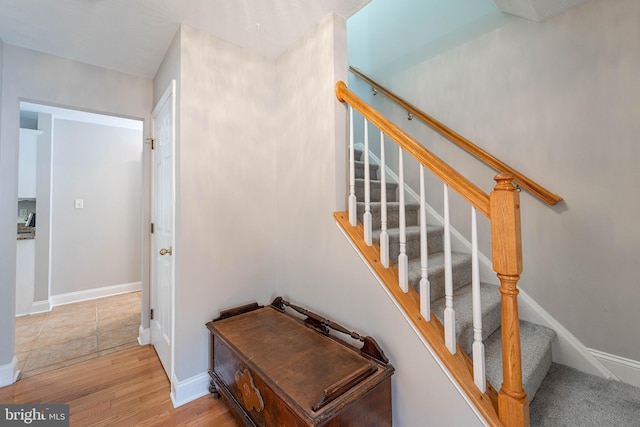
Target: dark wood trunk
{"type": "Point", "coordinates": [276, 370]}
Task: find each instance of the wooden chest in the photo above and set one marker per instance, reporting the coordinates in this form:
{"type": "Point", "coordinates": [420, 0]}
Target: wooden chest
{"type": "Point", "coordinates": [277, 370]}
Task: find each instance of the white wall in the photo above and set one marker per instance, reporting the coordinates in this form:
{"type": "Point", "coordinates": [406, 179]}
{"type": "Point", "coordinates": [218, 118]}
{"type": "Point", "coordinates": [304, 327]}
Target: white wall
{"type": "Point", "coordinates": [8, 258]}
{"type": "Point", "coordinates": [1, 67]}
{"type": "Point", "coordinates": [260, 147]}
{"type": "Point", "coordinates": [98, 245]}
{"type": "Point", "coordinates": [559, 101]}
{"type": "Point", "coordinates": [226, 186]}
{"type": "Point", "coordinates": [394, 34]}
{"type": "Point", "coordinates": [25, 275]}
{"type": "Point", "coordinates": [168, 70]}
{"type": "Point", "coordinates": [317, 267]}
{"type": "Point", "coordinates": [33, 76]}
{"type": "Point", "coordinates": [43, 196]}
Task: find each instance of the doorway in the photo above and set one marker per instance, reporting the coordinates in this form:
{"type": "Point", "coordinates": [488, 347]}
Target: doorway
{"type": "Point", "coordinates": [88, 204]}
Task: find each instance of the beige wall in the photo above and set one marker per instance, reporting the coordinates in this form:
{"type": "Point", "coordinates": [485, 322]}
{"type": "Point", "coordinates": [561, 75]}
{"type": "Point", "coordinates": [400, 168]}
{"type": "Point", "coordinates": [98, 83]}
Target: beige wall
{"type": "Point", "coordinates": [559, 101]}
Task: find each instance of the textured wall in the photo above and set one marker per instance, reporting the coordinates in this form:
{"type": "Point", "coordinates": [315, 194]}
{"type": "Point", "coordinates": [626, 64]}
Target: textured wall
{"type": "Point", "coordinates": [226, 172]}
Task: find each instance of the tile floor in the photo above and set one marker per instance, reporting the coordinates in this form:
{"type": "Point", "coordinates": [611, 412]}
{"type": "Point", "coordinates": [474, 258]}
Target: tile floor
{"type": "Point", "coordinates": [76, 332]}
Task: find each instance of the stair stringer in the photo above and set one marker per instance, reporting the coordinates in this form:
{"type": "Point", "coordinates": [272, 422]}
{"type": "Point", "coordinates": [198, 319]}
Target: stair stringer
{"type": "Point", "coordinates": [566, 348]}
{"type": "Point", "coordinates": [458, 367]}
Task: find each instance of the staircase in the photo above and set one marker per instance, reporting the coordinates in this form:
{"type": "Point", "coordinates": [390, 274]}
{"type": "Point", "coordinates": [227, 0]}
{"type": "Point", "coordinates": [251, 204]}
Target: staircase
{"type": "Point", "coordinates": [594, 401]}
{"type": "Point", "coordinates": [526, 362]}
{"type": "Point", "coordinates": [535, 339]}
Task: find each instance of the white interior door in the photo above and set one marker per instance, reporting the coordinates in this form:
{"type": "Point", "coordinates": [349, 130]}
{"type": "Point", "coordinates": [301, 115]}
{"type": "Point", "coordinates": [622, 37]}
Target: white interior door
{"type": "Point", "coordinates": [162, 238]}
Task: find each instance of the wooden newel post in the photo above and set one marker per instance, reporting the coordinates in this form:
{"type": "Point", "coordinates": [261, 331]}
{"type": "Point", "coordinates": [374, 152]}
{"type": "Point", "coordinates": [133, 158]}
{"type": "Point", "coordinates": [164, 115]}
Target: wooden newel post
{"type": "Point", "coordinates": [513, 404]}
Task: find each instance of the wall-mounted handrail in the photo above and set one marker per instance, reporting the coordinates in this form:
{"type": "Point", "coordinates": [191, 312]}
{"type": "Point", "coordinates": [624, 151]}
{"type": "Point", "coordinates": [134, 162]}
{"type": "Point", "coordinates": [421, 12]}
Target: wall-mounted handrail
{"type": "Point", "coordinates": [474, 195]}
{"type": "Point", "coordinates": [531, 186]}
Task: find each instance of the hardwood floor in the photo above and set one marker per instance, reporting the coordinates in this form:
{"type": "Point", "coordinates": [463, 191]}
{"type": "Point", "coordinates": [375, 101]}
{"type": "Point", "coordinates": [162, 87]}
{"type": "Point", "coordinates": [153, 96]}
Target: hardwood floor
{"type": "Point", "coordinates": [127, 388]}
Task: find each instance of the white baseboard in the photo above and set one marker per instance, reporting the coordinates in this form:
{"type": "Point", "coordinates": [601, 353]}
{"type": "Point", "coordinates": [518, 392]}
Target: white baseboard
{"type": "Point", "coordinates": [9, 373]}
{"type": "Point", "coordinates": [190, 389]}
{"type": "Point", "coordinates": [40, 307]}
{"type": "Point", "coordinates": [144, 335]}
{"type": "Point", "coordinates": [627, 370]}
{"type": "Point", "coordinates": [95, 293]}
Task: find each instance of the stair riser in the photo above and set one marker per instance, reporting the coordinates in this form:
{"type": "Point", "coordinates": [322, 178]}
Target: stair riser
{"type": "Point", "coordinates": [464, 332]}
{"type": "Point", "coordinates": [490, 322]}
{"type": "Point", "coordinates": [533, 384]}
{"type": "Point", "coordinates": [536, 342]}
{"type": "Point", "coordinates": [393, 217]}
{"type": "Point", "coordinates": [359, 170]}
{"type": "Point", "coordinates": [375, 193]}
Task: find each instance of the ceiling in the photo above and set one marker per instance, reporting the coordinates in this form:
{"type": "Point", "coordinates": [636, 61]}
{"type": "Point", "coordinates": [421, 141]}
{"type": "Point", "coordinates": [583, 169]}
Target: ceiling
{"type": "Point", "coordinates": [132, 36]}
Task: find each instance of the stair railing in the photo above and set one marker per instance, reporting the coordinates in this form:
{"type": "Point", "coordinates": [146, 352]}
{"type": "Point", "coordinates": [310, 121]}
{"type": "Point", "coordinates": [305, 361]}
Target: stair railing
{"type": "Point", "coordinates": [521, 180]}
{"type": "Point", "coordinates": [502, 208]}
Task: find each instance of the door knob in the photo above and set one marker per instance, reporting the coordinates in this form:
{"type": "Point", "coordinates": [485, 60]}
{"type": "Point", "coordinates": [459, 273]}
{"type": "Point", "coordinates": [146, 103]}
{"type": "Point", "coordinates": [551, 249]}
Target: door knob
{"type": "Point", "coordinates": [164, 251]}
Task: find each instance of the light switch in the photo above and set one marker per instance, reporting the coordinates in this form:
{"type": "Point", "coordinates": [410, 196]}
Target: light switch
{"type": "Point", "coordinates": [79, 203]}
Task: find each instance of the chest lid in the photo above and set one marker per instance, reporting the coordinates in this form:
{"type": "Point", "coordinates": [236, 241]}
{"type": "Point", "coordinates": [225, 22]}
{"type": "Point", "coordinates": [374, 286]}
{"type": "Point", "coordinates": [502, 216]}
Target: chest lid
{"type": "Point", "coordinates": [312, 369]}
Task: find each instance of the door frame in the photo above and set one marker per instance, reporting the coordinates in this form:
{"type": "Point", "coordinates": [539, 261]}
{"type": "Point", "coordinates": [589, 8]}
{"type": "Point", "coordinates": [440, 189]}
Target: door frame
{"type": "Point", "coordinates": [170, 92]}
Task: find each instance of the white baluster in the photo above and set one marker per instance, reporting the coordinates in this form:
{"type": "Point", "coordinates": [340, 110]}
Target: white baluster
{"type": "Point", "coordinates": [367, 189]}
{"type": "Point", "coordinates": [353, 219]}
{"type": "Point", "coordinates": [403, 261]}
{"type": "Point", "coordinates": [384, 236]}
{"type": "Point", "coordinates": [479, 377]}
{"type": "Point", "coordinates": [425, 288]}
{"type": "Point", "coordinates": [449, 313]}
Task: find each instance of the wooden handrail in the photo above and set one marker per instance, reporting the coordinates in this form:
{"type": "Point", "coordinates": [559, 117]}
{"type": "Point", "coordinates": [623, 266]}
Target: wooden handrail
{"type": "Point", "coordinates": [531, 186]}
{"type": "Point", "coordinates": [502, 208]}
{"type": "Point", "coordinates": [469, 191]}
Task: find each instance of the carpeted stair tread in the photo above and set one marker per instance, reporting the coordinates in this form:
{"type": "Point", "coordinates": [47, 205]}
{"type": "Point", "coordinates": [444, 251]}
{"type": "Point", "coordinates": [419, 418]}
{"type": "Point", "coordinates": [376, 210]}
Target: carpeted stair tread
{"type": "Point", "coordinates": [461, 272]}
{"type": "Point", "coordinates": [463, 306]}
{"type": "Point", "coordinates": [434, 241]}
{"type": "Point", "coordinates": [568, 397]}
{"type": "Point", "coordinates": [535, 344]}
